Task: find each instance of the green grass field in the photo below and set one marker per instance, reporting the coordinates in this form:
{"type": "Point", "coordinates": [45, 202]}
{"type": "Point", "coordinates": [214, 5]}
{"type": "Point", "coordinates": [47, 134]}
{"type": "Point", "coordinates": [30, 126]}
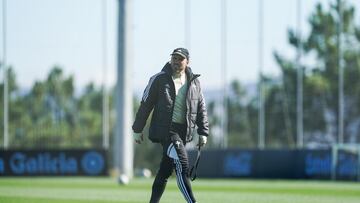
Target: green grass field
{"type": "Point", "coordinates": [78, 189]}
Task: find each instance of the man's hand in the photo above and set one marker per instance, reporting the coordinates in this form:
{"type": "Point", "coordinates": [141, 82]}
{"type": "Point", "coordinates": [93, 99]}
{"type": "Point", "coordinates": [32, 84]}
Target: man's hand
{"type": "Point", "coordinates": [138, 137]}
{"type": "Point", "coordinates": [202, 140]}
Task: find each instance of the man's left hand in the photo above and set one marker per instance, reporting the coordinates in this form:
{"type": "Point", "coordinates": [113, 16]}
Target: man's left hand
{"type": "Point", "coordinates": [138, 137]}
{"type": "Point", "coordinates": [202, 140]}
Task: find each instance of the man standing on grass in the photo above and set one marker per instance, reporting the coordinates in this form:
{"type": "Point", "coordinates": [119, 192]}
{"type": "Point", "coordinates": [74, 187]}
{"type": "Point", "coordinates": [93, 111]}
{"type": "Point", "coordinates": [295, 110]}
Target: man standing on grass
{"type": "Point", "coordinates": [176, 97]}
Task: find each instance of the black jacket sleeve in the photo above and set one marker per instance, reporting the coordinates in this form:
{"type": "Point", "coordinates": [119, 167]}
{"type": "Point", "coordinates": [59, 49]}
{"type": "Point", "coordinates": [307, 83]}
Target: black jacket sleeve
{"type": "Point", "coordinates": [147, 104]}
{"type": "Point", "coordinates": [201, 118]}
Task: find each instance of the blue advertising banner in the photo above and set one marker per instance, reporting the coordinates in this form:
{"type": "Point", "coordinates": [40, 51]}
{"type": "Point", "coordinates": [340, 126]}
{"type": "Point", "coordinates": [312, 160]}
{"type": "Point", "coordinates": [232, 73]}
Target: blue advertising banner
{"type": "Point", "coordinates": [53, 163]}
{"type": "Point", "coordinates": [277, 164]}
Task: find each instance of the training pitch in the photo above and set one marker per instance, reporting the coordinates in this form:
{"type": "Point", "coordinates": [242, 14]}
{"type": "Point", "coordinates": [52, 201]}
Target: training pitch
{"type": "Point", "coordinates": [79, 189]}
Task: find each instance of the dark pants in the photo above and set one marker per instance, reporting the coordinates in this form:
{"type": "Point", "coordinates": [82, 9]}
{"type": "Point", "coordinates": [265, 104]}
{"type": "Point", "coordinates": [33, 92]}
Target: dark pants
{"type": "Point", "coordinates": [174, 157]}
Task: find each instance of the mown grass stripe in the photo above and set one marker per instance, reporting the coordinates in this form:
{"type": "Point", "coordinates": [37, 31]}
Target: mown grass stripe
{"type": "Point", "coordinates": [80, 189]}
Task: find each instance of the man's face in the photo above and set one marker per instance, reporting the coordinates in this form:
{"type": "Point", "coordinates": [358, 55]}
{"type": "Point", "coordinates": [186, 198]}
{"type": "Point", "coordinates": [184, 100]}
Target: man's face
{"type": "Point", "coordinates": [178, 63]}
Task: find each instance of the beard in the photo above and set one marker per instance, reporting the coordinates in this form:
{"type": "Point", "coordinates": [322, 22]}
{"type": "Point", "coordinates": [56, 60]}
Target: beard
{"type": "Point", "coordinates": [177, 68]}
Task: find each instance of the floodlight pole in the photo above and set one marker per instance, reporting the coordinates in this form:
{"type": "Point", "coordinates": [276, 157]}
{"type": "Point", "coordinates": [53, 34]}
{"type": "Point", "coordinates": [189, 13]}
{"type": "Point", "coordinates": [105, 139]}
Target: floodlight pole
{"type": "Point", "coordinates": [261, 135]}
{"type": "Point", "coordinates": [341, 74]}
{"type": "Point", "coordinates": [299, 106]}
{"type": "Point", "coordinates": [6, 85]}
{"type": "Point", "coordinates": [123, 144]}
{"type": "Point", "coordinates": [105, 98]}
{"type": "Point", "coordinates": [224, 120]}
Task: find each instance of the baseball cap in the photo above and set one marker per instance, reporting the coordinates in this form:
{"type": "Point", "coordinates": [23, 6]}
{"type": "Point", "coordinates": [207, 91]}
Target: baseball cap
{"type": "Point", "coordinates": [182, 52]}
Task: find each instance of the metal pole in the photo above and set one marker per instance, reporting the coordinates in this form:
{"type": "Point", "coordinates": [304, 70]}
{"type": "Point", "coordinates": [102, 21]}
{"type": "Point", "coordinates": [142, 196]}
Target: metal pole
{"type": "Point", "coordinates": [224, 72]}
{"type": "Point", "coordinates": [341, 75]}
{"type": "Point", "coordinates": [187, 33]}
{"type": "Point", "coordinates": [123, 145]}
{"type": "Point", "coordinates": [105, 98]}
{"type": "Point", "coordinates": [358, 164]}
{"type": "Point", "coordinates": [6, 85]}
{"type": "Point", "coordinates": [261, 140]}
{"type": "Point", "coordinates": [299, 112]}
{"type": "Point", "coordinates": [334, 153]}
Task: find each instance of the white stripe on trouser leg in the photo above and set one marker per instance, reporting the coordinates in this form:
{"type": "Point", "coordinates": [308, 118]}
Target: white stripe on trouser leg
{"type": "Point", "coordinates": [171, 152]}
{"type": "Point", "coordinates": [181, 181]}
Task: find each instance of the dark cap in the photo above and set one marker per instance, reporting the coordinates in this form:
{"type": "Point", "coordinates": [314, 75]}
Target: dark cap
{"type": "Point", "coordinates": [182, 52]}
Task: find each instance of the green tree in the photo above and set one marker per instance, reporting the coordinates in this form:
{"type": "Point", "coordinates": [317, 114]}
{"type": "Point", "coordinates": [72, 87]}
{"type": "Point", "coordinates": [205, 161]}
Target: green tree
{"type": "Point", "coordinates": [14, 111]}
{"type": "Point", "coordinates": [51, 116]}
{"type": "Point", "coordinates": [320, 79]}
{"type": "Point", "coordinates": [240, 133]}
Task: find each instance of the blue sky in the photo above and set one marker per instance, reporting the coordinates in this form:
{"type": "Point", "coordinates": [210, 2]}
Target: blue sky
{"type": "Point", "coordinates": [44, 33]}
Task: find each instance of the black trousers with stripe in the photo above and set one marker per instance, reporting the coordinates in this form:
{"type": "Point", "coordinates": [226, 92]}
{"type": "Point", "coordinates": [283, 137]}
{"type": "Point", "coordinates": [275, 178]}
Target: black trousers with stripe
{"type": "Point", "coordinates": [174, 156]}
